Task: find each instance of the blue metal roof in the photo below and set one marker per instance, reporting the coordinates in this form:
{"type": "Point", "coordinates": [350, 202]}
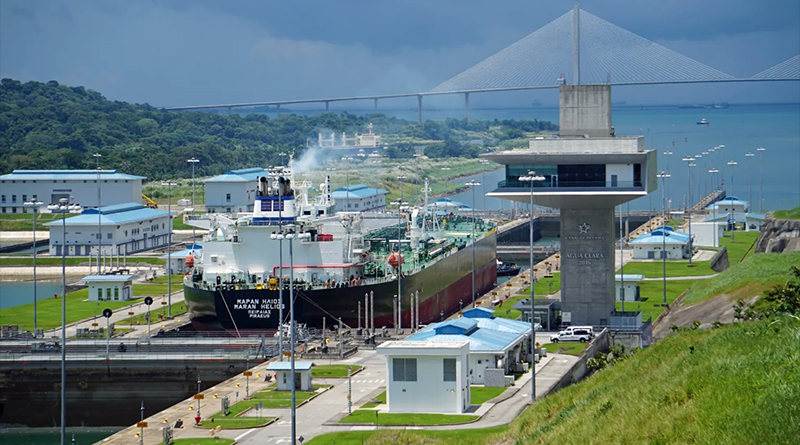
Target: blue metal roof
{"type": "Point", "coordinates": [482, 334]}
{"type": "Point", "coordinates": [481, 340]}
{"type": "Point", "coordinates": [117, 214]}
{"type": "Point", "coordinates": [463, 326]}
{"type": "Point", "coordinates": [287, 366]}
{"type": "Point", "coordinates": [106, 278]}
{"type": "Point", "coordinates": [64, 175]}
{"type": "Point", "coordinates": [730, 200]}
{"type": "Point", "coordinates": [357, 191]}
{"type": "Point", "coordinates": [478, 312]}
{"type": "Point", "coordinates": [241, 175]}
{"type": "Point", "coordinates": [657, 237]}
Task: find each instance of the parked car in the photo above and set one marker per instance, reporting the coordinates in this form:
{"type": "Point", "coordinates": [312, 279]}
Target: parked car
{"type": "Point", "coordinates": [588, 328]}
{"type": "Point", "coordinates": [572, 334]}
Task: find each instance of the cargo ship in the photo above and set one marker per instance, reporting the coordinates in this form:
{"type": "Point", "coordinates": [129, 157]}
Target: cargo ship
{"type": "Point", "coordinates": [337, 264]}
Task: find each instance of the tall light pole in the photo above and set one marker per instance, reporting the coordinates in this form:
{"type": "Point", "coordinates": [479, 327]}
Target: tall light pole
{"type": "Point", "coordinates": [34, 205]}
{"type": "Point", "coordinates": [531, 178]}
{"type": "Point", "coordinates": [63, 207]}
{"type": "Point", "coordinates": [690, 163]}
{"type": "Point", "coordinates": [280, 236]}
{"type": "Point", "coordinates": [750, 168]}
{"type": "Point", "coordinates": [700, 189]}
{"type": "Point", "coordinates": [399, 252]}
{"type": "Point", "coordinates": [667, 154]}
{"type": "Point", "coordinates": [761, 150]}
{"type": "Point", "coordinates": [733, 163]}
{"type": "Point", "coordinates": [198, 392]}
{"type": "Point", "coordinates": [97, 156]}
{"type": "Point", "coordinates": [664, 175]}
{"type": "Point", "coordinates": [714, 172]}
{"type": "Point", "coordinates": [347, 160]}
{"type": "Point", "coordinates": [193, 161]}
{"type": "Point", "coordinates": [472, 185]}
{"type": "Point", "coordinates": [169, 185]}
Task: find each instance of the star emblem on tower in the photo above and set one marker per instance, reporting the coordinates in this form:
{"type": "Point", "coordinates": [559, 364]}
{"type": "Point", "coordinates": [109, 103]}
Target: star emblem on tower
{"type": "Point", "coordinates": [584, 228]}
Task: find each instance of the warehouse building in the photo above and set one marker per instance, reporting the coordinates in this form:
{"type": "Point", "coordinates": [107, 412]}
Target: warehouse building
{"type": "Point", "coordinates": [358, 198]}
{"type": "Point", "coordinates": [233, 191]}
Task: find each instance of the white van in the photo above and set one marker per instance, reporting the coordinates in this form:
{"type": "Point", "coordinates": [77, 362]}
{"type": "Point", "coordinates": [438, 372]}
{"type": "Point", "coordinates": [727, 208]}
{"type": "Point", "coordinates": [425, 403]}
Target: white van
{"type": "Point", "coordinates": [572, 334]}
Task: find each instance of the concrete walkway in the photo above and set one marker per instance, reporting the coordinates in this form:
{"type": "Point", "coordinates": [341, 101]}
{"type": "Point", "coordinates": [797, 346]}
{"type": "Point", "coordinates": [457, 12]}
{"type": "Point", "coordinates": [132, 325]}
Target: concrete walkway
{"type": "Point", "coordinates": [699, 277]}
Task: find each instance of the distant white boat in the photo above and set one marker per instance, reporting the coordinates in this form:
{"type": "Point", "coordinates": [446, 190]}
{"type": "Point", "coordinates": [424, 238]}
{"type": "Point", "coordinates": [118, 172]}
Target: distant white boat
{"type": "Point", "coordinates": [703, 121]}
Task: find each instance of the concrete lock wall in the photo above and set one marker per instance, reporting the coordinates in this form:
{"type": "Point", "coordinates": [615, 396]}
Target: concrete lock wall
{"type": "Point", "coordinates": [587, 265]}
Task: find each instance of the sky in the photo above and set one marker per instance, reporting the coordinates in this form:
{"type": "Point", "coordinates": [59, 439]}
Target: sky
{"type": "Point", "coordinates": [194, 52]}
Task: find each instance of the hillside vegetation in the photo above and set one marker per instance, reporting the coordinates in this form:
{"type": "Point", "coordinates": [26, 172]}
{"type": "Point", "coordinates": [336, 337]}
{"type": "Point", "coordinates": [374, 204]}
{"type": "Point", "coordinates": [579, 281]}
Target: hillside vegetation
{"type": "Point", "coordinates": [737, 384]}
{"type": "Point", "coordinates": [788, 214]}
{"type": "Point", "coordinates": [60, 127]}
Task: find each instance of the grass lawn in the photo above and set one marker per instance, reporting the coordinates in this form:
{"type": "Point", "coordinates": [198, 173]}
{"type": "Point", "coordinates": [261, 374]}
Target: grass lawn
{"type": "Point", "coordinates": [49, 310]}
{"type": "Point", "coordinates": [231, 422]}
{"type": "Point", "coordinates": [505, 310]}
{"type": "Point", "coordinates": [177, 309]}
{"type": "Point", "coordinates": [380, 399]}
{"type": "Point", "coordinates": [70, 261]}
{"type": "Point", "coordinates": [272, 399]}
{"type": "Point", "coordinates": [566, 347]}
{"type": "Point", "coordinates": [545, 285]}
{"type": "Point", "coordinates": [10, 222]}
{"type": "Point", "coordinates": [176, 279]}
{"type": "Point", "coordinates": [480, 394]}
{"type": "Point", "coordinates": [369, 416]}
{"type": "Point", "coordinates": [788, 214]}
{"type": "Point", "coordinates": [323, 371]}
{"type": "Point", "coordinates": [461, 437]}
{"type": "Point", "coordinates": [202, 441]}
{"type": "Point", "coordinates": [754, 275]}
{"type": "Point", "coordinates": [675, 268]}
{"type": "Point", "coordinates": [737, 249]}
{"type": "Point", "coordinates": [652, 294]}
{"type": "Point", "coordinates": [142, 289]}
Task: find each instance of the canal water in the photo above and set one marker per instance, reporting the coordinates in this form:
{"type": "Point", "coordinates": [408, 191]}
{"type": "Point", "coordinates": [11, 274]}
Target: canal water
{"type": "Point", "coordinates": [47, 436]}
{"type": "Point", "coordinates": [15, 293]}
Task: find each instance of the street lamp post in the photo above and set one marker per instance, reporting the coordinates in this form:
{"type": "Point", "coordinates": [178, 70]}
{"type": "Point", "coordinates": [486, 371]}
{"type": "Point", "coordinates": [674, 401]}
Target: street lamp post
{"type": "Point", "coordinates": [347, 160]}
{"type": "Point", "coordinates": [714, 173]}
{"type": "Point", "coordinates": [472, 185]}
{"type": "Point", "coordinates": [399, 254]}
{"type": "Point", "coordinates": [667, 154]}
{"type": "Point", "coordinates": [193, 161]}
{"type": "Point", "coordinates": [733, 163]}
{"type": "Point", "coordinates": [531, 178]}
{"type": "Point", "coordinates": [97, 156]}
{"type": "Point", "coordinates": [690, 164]}
{"type": "Point", "coordinates": [750, 168]}
{"type": "Point", "coordinates": [664, 175]}
{"type": "Point", "coordinates": [34, 205]}
{"type": "Point", "coordinates": [169, 185]}
{"type": "Point", "coordinates": [198, 399]}
{"type": "Point", "coordinates": [761, 178]}
{"type": "Point", "coordinates": [63, 207]}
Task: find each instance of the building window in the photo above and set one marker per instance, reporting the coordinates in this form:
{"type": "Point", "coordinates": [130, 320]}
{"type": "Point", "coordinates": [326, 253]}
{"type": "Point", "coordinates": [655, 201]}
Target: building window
{"type": "Point", "coordinates": [3, 198]}
{"type": "Point", "coordinates": [404, 369]}
{"type": "Point", "coordinates": [100, 294]}
{"type": "Point", "coordinates": [24, 198]}
{"type": "Point", "coordinates": [13, 198]}
{"type": "Point", "coordinates": [109, 235]}
{"type": "Point", "coordinates": [228, 197]}
{"type": "Point", "coordinates": [449, 370]}
{"type": "Point", "coordinates": [116, 293]}
{"type": "Point", "coordinates": [108, 293]}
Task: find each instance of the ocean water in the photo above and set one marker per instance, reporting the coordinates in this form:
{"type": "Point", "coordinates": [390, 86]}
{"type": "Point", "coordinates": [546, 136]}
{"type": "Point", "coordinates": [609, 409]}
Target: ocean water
{"type": "Point", "coordinates": [741, 128]}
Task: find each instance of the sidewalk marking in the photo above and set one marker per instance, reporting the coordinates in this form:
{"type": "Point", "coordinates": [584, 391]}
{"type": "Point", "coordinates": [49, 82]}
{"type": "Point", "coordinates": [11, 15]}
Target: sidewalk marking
{"type": "Point", "coordinates": [244, 434]}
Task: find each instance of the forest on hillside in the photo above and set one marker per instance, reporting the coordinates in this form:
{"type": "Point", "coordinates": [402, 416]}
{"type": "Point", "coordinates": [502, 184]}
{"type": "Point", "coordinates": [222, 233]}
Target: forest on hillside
{"type": "Point", "coordinates": [54, 126]}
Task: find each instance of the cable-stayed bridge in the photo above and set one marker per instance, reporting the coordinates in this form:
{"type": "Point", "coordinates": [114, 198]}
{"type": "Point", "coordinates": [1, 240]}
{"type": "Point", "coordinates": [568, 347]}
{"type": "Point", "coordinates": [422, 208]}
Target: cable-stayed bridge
{"type": "Point", "coordinates": [577, 47]}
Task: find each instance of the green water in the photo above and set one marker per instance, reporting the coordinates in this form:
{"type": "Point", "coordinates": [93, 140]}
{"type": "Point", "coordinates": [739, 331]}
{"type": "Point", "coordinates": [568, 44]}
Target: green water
{"type": "Point", "coordinates": [47, 436]}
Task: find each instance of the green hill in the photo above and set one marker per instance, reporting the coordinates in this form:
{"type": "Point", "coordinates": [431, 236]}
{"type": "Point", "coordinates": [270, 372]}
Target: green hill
{"type": "Point", "coordinates": [738, 384]}
{"type": "Point", "coordinates": [60, 127]}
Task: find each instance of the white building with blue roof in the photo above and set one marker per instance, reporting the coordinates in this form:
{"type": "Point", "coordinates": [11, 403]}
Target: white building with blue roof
{"type": "Point", "coordinates": [233, 191]}
{"type": "Point", "coordinates": [109, 287]}
{"type": "Point", "coordinates": [496, 343]}
{"type": "Point", "coordinates": [652, 245]}
{"type": "Point", "coordinates": [124, 229]}
{"type": "Point", "coordinates": [358, 198]}
{"type": "Point", "coordinates": [729, 204]}
{"type": "Point", "coordinates": [48, 186]}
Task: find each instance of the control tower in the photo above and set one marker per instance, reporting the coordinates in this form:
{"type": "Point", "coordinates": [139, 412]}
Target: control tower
{"type": "Point", "coordinates": [585, 172]}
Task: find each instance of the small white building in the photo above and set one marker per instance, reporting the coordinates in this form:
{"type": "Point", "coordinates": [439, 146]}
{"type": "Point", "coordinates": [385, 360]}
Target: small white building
{"type": "Point", "coordinates": [358, 198]}
{"type": "Point", "coordinates": [707, 234]}
{"type": "Point", "coordinates": [631, 285]}
{"type": "Point", "coordinates": [496, 343]}
{"type": "Point", "coordinates": [425, 376]}
{"type": "Point", "coordinates": [109, 287]}
{"type": "Point", "coordinates": [651, 245]}
{"type": "Point", "coordinates": [49, 186]}
{"type": "Point", "coordinates": [124, 229]}
{"type": "Point", "coordinates": [283, 375]}
{"type": "Point", "coordinates": [752, 222]}
{"type": "Point", "coordinates": [729, 204]}
{"type": "Point", "coordinates": [233, 191]}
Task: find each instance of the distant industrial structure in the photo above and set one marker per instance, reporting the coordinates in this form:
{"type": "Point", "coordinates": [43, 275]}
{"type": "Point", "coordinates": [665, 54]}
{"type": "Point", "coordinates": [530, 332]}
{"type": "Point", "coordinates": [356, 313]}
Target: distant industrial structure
{"type": "Point", "coordinates": [81, 186]}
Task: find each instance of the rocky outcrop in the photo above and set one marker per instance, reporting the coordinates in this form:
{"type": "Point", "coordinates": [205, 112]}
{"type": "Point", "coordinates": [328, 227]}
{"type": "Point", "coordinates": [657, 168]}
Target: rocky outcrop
{"type": "Point", "coordinates": [779, 235]}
